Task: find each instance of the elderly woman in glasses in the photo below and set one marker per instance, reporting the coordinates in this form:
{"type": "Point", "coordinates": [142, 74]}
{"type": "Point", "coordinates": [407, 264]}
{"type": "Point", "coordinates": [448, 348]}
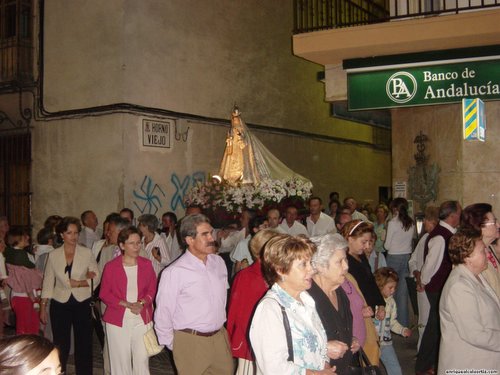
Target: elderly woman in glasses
{"type": "Point", "coordinates": [479, 217]}
{"type": "Point", "coordinates": [332, 303]}
{"type": "Point", "coordinates": [469, 310]}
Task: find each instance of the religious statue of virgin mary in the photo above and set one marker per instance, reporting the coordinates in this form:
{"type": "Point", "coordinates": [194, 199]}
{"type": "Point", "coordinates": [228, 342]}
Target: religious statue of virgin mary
{"type": "Point", "coordinates": [246, 160]}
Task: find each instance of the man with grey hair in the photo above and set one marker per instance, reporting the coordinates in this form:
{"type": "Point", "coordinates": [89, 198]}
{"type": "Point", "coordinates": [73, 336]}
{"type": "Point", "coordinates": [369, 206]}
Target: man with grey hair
{"type": "Point", "coordinates": [111, 250]}
{"type": "Point", "coordinates": [191, 304]}
{"type": "Point", "coordinates": [352, 205]}
{"type": "Point", "coordinates": [433, 275]}
{"type": "Point", "coordinates": [90, 233]}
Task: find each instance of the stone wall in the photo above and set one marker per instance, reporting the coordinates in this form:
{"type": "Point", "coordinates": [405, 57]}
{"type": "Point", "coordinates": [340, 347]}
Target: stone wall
{"type": "Point", "coordinates": [190, 58]}
{"type": "Point", "coordinates": [469, 169]}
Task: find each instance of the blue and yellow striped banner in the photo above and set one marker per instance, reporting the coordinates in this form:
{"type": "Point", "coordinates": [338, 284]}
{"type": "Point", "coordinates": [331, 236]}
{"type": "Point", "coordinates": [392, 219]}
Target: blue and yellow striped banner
{"type": "Point", "coordinates": [470, 117]}
{"type": "Point", "coordinates": [473, 119]}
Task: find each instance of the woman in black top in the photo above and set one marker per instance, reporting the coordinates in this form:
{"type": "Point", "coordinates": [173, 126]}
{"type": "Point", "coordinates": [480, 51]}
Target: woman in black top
{"type": "Point", "coordinates": [332, 303]}
{"type": "Point", "coordinates": [358, 234]}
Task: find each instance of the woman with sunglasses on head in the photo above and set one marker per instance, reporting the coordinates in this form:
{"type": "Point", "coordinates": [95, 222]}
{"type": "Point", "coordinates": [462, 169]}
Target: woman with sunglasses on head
{"type": "Point", "coordinates": [358, 235]}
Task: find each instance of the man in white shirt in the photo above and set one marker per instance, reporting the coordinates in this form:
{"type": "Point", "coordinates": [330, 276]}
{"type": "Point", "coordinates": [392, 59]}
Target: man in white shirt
{"type": "Point", "coordinates": [351, 203]}
{"type": "Point", "coordinates": [290, 225]}
{"type": "Point", "coordinates": [241, 256]}
{"type": "Point", "coordinates": [228, 238]}
{"type": "Point", "coordinates": [319, 223]}
{"type": "Point", "coordinates": [153, 245]}
{"type": "Point", "coordinates": [273, 220]}
{"type": "Point", "coordinates": [90, 233]}
{"type": "Point", "coordinates": [169, 234]}
{"type": "Point", "coordinates": [437, 266]}
{"type": "Point", "coordinates": [104, 253]}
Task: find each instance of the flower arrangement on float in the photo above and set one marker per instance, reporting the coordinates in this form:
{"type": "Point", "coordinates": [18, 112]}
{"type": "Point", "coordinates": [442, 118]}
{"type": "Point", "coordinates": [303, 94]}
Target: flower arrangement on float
{"type": "Point", "coordinates": [213, 195]}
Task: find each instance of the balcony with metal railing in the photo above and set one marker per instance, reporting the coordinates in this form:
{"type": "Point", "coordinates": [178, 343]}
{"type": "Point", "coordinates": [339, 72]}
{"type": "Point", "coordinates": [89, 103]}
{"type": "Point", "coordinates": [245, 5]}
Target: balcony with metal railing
{"type": "Point", "coordinates": [329, 32]}
{"type": "Point", "coordinates": [16, 43]}
{"type": "Point", "coordinates": [314, 15]}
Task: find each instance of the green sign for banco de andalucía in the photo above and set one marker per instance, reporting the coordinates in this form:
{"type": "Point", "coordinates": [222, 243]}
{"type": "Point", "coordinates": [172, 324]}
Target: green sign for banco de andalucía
{"type": "Point", "coordinates": [416, 86]}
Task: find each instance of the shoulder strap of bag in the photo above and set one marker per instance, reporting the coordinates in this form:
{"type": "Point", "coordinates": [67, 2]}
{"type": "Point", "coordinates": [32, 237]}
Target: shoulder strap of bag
{"type": "Point", "coordinates": [363, 357]}
{"type": "Point", "coordinates": [288, 331]}
{"type": "Point", "coordinates": [98, 258]}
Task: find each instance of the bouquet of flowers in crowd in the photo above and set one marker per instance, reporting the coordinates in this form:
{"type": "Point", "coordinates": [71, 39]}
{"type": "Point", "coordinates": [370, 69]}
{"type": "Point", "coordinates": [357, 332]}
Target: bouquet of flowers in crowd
{"type": "Point", "coordinates": [213, 195]}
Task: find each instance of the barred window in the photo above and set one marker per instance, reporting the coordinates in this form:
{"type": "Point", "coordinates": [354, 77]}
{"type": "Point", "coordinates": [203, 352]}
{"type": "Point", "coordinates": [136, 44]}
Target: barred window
{"type": "Point", "coordinates": [16, 40]}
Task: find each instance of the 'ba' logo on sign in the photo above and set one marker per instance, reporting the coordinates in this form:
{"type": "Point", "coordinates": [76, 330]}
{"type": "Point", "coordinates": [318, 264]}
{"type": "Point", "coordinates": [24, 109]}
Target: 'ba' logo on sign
{"type": "Point", "coordinates": [401, 87]}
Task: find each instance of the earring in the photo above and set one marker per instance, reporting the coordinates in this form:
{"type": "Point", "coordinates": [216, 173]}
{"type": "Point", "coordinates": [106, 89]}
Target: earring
{"type": "Point", "coordinates": [283, 278]}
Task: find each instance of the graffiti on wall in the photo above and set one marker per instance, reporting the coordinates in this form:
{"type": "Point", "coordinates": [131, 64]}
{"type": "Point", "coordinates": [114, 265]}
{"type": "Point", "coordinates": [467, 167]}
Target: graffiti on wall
{"type": "Point", "coordinates": [149, 197]}
{"type": "Point", "coordinates": [181, 187]}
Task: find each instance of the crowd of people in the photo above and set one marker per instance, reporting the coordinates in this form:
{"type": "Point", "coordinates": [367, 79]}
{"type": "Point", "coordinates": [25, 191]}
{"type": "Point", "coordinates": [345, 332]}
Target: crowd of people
{"type": "Point", "coordinates": [278, 293]}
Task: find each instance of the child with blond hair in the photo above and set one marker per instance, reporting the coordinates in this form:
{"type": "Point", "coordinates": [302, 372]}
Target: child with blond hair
{"type": "Point", "coordinates": [387, 281]}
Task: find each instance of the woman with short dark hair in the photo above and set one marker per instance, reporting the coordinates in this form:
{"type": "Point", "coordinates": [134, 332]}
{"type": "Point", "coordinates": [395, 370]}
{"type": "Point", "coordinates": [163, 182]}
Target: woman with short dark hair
{"type": "Point", "coordinates": [480, 217]}
{"type": "Point", "coordinates": [128, 288]}
{"type": "Point", "coordinates": [469, 310]}
{"type": "Point", "coordinates": [67, 281]}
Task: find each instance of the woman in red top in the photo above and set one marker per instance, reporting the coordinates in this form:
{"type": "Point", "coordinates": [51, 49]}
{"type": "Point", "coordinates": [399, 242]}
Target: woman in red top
{"type": "Point", "coordinates": [128, 287]}
{"type": "Point", "coordinates": [248, 288]}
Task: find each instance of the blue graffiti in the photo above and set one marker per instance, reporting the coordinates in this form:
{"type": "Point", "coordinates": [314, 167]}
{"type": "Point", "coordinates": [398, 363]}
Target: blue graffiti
{"type": "Point", "coordinates": [150, 196]}
{"type": "Point", "coordinates": [180, 190]}
{"type": "Point", "coordinates": [181, 187]}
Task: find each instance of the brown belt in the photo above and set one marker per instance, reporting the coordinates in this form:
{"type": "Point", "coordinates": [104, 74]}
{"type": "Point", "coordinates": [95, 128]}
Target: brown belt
{"type": "Point", "coordinates": [198, 333]}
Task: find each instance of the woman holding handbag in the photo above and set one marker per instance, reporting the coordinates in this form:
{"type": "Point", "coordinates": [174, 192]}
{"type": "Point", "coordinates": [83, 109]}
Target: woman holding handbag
{"type": "Point", "coordinates": [128, 288]}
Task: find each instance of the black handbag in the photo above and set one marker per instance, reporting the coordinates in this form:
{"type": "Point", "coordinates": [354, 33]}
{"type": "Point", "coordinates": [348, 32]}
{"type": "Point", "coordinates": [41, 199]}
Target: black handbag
{"type": "Point", "coordinates": [361, 365]}
{"type": "Point", "coordinates": [96, 314]}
